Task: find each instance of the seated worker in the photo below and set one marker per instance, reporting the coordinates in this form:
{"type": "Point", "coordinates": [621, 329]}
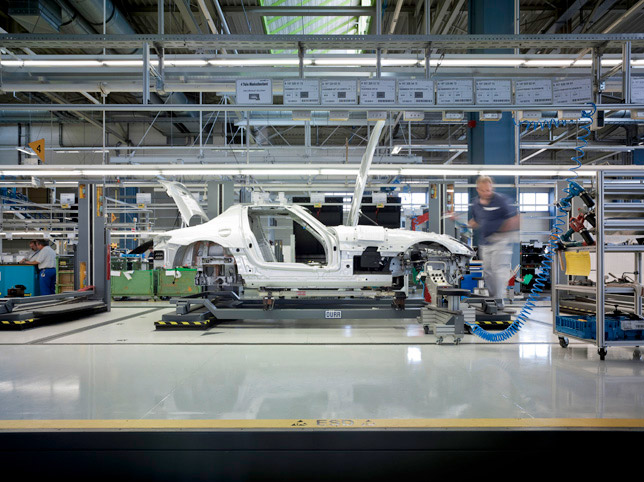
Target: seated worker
{"type": "Point", "coordinates": [45, 258]}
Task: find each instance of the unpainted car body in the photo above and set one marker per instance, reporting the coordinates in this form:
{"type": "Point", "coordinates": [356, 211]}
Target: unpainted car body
{"type": "Point", "coordinates": [234, 249]}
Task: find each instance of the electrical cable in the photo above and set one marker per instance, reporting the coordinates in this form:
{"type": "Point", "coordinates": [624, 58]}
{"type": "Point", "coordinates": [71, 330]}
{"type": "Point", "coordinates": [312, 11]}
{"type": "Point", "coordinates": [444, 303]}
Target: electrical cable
{"type": "Point", "coordinates": [562, 209]}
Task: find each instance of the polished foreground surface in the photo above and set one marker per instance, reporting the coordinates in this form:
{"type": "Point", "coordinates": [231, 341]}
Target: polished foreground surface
{"type": "Point", "coordinates": [116, 366]}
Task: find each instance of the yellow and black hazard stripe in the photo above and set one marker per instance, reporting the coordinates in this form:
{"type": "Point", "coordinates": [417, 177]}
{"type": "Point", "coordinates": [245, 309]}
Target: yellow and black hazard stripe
{"type": "Point", "coordinates": [181, 323]}
{"type": "Point", "coordinates": [17, 322]}
{"type": "Point", "coordinates": [490, 322]}
{"type": "Point", "coordinates": [575, 308]}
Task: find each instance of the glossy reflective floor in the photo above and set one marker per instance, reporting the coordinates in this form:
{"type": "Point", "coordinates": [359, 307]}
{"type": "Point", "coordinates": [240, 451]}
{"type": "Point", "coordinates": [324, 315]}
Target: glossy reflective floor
{"type": "Point", "coordinates": [116, 365]}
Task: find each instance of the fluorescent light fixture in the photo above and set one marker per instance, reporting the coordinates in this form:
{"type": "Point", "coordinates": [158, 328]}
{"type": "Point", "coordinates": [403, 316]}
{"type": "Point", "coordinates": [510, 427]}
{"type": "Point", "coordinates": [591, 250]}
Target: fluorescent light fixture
{"type": "Point", "coordinates": [339, 172]}
{"type": "Point", "coordinates": [258, 62]}
{"type": "Point", "coordinates": [490, 172]}
{"type": "Point", "coordinates": [62, 183]}
{"type": "Point", "coordinates": [393, 62]}
{"type": "Point", "coordinates": [61, 63]}
{"type": "Point", "coordinates": [384, 172]}
{"type": "Point", "coordinates": [123, 63]}
{"type": "Point", "coordinates": [22, 149]}
{"type": "Point", "coordinates": [346, 61]}
{"type": "Point", "coordinates": [396, 150]}
{"type": "Point", "coordinates": [548, 62]}
{"type": "Point", "coordinates": [280, 172]}
{"type": "Point", "coordinates": [67, 152]}
{"type": "Point", "coordinates": [477, 62]}
{"type": "Point", "coordinates": [184, 62]}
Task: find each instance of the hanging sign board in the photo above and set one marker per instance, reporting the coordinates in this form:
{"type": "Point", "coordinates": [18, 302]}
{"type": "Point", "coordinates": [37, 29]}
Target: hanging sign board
{"type": "Point", "coordinates": [338, 92]}
{"type": "Point", "coordinates": [339, 115]}
{"type": "Point", "coordinates": [453, 116]}
{"type": "Point", "coordinates": [377, 92]}
{"type": "Point", "coordinates": [413, 116]}
{"type": "Point", "coordinates": [533, 91]}
{"type": "Point", "coordinates": [416, 92]}
{"type": "Point", "coordinates": [494, 92]}
{"type": "Point", "coordinates": [529, 115]}
{"type": "Point", "coordinates": [143, 198]}
{"type": "Point", "coordinates": [637, 90]}
{"type": "Point", "coordinates": [457, 91]}
{"type": "Point", "coordinates": [255, 91]}
{"type": "Point", "coordinates": [373, 115]}
{"type": "Point", "coordinates": [299, 92]}
{"type": "Point", "coordinates": [39, 148]}
{"type": "Point", "coordinates": [317, 198]}
{"type": "Point", "coordinates": [490, 116]}
{"type": "Point", "coordinates": [379, 199]}
{"type": "Point", "coordinates": [67, 199]}
{"type": "Point", "coordinates": [572, 91]}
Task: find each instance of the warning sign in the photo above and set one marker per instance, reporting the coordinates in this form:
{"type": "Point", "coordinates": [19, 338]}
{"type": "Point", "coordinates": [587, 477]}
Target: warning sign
{"type": "Point", "coordinates": [39, 148]}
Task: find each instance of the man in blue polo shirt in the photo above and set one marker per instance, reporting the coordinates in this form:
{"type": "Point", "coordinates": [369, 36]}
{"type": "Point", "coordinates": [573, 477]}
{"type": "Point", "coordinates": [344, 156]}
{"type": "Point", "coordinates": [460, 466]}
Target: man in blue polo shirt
{"type": "Point", "coordinates": [498, 222]}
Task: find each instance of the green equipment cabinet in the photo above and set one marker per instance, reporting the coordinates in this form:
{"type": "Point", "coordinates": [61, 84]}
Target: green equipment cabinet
{"type": "Point", "coordinates": [176, 282]}
{"type": "Point", "coordinates": [136, 283]}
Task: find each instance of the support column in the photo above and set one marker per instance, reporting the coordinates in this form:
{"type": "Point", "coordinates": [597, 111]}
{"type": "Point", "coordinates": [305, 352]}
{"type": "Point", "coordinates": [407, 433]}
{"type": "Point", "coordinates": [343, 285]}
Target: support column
{"type": "Point", "coordinates": [493, 142]}
{"type": "Point", "coordinates": [220, 197]}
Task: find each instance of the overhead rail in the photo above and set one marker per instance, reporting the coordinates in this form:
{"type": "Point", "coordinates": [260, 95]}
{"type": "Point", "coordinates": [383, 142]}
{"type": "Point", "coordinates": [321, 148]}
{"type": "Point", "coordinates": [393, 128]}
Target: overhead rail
{"type": "Point", "coordinates": [70, 172]}
{"type": "Point", "coordinates": [283, 107]}
{"type": "Point", "coordinates": [448, 43]}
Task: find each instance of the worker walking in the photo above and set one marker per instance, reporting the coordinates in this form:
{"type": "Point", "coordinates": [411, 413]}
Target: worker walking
{"type": "Point", "coordinates": [498, 222]}
{"type": "Point", "coordinates": [45, 258]}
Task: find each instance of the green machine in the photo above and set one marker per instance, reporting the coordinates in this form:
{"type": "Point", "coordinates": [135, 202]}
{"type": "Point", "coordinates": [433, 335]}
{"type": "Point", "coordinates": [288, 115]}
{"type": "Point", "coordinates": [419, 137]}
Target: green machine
{"type": "Point", "coordinates": [135, 283]}
{"type": "Point", "coordinates": [176, 282]}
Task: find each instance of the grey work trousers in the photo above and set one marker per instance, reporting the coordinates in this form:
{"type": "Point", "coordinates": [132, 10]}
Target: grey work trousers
{"type": "Point", "coordinates": [497, 263]}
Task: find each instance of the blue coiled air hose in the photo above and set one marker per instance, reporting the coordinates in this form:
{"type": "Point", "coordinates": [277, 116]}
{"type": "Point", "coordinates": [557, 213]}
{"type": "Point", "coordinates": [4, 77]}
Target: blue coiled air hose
{"type": "Point", "coordinates": [549, 252]}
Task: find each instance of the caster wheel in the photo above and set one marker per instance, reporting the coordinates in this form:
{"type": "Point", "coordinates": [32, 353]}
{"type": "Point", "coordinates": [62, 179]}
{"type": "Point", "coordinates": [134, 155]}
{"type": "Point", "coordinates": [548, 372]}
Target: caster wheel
{"type": "Point", "coordinates": [426, 329]}
{"type": "Point", "coordinates": [602, 353]}
{"type": "Point", "coordinates": [563, 341]}
{"type": "Point", "coordinates": [440, 340]}
{"type": "Point", "coordinates": [457, 341]}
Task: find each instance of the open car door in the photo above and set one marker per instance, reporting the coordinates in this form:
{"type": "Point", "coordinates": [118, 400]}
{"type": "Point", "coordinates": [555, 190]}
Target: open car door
{"type": "Point", "coordinates": [189, 208]}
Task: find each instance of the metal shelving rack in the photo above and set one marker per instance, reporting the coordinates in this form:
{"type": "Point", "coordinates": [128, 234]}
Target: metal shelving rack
{"type": "Point", "coordinates": [619, 209]}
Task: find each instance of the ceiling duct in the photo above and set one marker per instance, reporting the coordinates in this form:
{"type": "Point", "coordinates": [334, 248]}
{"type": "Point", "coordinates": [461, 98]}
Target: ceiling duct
{"type": "Point", "coordinates": [36, 16]}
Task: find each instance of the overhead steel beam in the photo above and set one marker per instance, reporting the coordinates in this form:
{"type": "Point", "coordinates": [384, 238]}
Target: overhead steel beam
{"type": "Point", "coordinates": [573, 9]}
{"type": "Point", "coordinates": [88, 119]}
{"type": "Point", "coordinates": [324, 42]}
{"type": "Point", "coordinates": [303, 11]}
{"type": "Point", "coordinates": [607, 31]}
{"type": "Point", "coordinates": [282, 107]}
{"type": "Point", "coordinates": [188, 17]}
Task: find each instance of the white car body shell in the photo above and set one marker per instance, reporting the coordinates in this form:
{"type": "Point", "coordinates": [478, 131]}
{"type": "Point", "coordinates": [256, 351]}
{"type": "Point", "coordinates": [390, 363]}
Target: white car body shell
{"type": "Point", "coordinates": [231, 230]}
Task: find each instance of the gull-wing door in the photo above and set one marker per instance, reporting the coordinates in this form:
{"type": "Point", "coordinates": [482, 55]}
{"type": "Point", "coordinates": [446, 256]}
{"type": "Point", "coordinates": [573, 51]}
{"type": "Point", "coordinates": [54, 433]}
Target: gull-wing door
{"type": "Point", "coordinates": [190, 210]}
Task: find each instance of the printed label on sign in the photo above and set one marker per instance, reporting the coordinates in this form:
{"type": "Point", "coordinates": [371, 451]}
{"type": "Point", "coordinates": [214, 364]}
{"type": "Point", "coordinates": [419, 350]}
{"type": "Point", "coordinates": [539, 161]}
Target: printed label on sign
{"type": "Point", "coordinates": [533, 91]}
{"type": "Point", "coordinates": [416, 92]}
{"type": "Point", "coordinates": [572, 91]}
{"type": "Point", "coordinates": [637, 90]}
{"type": "Point", "coordinates": [377, 92]}
{"type": "Point", "coordinates": [454, 92]}
{"type": "Point", "coordinates": [493, 92]}
{"type": "Point", "coordinates": [254, 91]}
{"type": "Point", "coordinates": [339, 92]}
{"type": "Point", "coordinates": [298, 92]}
{"type": "Point", "coordinates": [335, 314]}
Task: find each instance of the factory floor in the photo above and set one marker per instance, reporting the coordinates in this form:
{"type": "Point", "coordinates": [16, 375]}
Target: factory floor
{"type": "Point", "coordinates": [115, 367]}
